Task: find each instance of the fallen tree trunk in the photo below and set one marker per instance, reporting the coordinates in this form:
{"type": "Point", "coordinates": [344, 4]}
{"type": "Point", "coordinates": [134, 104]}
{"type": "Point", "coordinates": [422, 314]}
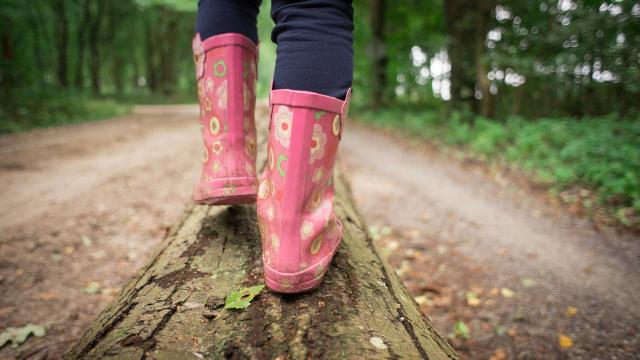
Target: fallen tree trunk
{"type": "Point", "coordinates": [361, 311]}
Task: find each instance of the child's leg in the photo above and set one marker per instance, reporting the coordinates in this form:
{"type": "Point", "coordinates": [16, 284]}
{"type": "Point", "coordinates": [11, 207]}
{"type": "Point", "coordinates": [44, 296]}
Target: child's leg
{"type": "Point", "coordinates": [315, 45]}
{"type": "Point", "coordinates": [217, 17]}
{"type": "Point", "coordinates": [300, 230]}
{"type": "Point", "coordinates": [225, 54]}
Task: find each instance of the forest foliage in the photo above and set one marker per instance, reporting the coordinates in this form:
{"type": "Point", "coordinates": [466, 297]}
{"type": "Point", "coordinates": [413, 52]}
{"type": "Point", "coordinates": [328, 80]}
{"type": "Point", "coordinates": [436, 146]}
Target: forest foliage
{"type": "Point", "coordinates": [491, 57]}
{"type": "Point", "coordinates": [552, 85]}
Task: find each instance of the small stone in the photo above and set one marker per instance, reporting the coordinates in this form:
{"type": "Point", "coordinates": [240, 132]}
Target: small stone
{"type": "Point", "coordinates": [210, 314]}
{"type": "Point", "coordinates": [378, 343]}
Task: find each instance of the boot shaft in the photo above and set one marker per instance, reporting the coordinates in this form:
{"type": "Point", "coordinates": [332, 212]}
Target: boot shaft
{"type": "Point", "coordinates": [226, 73]}
{"type": "Point", "coordinates": [295, 199]}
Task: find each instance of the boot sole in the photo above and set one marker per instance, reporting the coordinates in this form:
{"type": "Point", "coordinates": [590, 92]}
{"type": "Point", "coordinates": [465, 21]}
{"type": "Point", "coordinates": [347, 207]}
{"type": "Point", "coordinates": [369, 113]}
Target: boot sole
{"type": "Point", "coordinates": [246, 194]}
{"type": "Point", "coordinates": [298, 287]}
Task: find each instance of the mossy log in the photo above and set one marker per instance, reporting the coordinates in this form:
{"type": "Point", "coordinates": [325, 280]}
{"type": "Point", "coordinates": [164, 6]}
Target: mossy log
{"type": "Point", "coordinates": [171, 310]}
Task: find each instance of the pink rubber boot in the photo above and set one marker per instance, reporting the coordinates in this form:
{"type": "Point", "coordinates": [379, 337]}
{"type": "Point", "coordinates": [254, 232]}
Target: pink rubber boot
{"type": "Point", "coordinates": [226, 72]}
{"type": "Point", "coordinates": [300, 231]}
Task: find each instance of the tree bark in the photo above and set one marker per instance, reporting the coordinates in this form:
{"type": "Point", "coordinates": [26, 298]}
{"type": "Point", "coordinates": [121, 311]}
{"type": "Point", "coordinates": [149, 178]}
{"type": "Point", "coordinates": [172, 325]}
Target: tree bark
{"type": "Point", "coordinates": [379, 51]}
{"type": "Point", "coordinates": [166, 311]}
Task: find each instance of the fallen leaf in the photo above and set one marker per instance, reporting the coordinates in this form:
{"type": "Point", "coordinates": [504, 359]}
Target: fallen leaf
{"type": "Point", "coordinates": [512, 332]}
{"type": "Point", "coordinates": [404, 267]}
{"type": "Point", "coordinates": [242, 298]}
{"type": "Point", "coordinates": [92, 288]}
{"type": "Point", "coordinates": [56, 257]}
{"type": "Point", "coordinates": [109, 291]}
{"type": "Point", "coordinates": [526, 282]}
{"type": "Point", "coordinates": [386, 230]}
{"type": "Point", "coordinates": [461, 329]}
{"type": "Point", "coordinates": [472, 299]}
{"type": "Point", "coordinates": [571, 311]}
{"type": "Point", "coordinates": [69, 250]}
{"type": "Point", "coordinates": [422, 299]}
{"type": "Point", "coordinates": [442, 301]}
{"type": "Point", "coordinates": [500, 330]}
{"type": "Point", "coordinates": [391, 245]}
{"type": "Point", "coordinates": [98, 254]}
{"type": "Point", "coordinates": [565, 341]}
{"type": "Point", "coordinates": [47, 296]}
{"type": "Point", "coordinates": [494, 291]}
{"type": "Point", "coordinates": [378, 343]}
{"type": "Point", "coordinates": [507, 292]}
{"type": "Point", "coordinates": [498, 354]}
{"type": "Point", "coordinates": [489, 302]}
{"type": "Point", "coordinates": [375, 234]}
{"type": "Point", "coordinates": [17, 336]}
{"type": "Point", "coordinates": [86, 241]}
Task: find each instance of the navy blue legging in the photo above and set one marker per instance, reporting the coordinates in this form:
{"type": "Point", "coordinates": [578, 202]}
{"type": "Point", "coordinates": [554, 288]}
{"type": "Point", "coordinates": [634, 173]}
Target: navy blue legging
{"type": "Point", "coordinates": [314, 38]}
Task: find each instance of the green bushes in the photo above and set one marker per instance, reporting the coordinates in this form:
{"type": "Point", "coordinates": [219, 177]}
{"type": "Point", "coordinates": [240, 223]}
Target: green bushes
{"type": "Point", "coordinates": [601, 153]}
{"type": "Point", "coordinates": [43, 109]}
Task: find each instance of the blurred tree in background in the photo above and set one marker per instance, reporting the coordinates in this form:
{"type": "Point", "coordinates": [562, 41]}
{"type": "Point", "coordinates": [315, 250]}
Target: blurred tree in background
{"type": "Point", "coordinates": [102, 46]}
{"type": "Point", "coordinates": [565, 57]}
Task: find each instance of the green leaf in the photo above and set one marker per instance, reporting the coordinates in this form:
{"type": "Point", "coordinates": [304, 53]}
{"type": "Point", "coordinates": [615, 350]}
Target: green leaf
{"type": "Point", "coordinates": [500, 330]}
{"type": "Point", "coordinates": [18, 336]}
{"type": "Point", "coordinates": [242, 298]}
{"type": "Point", "coordinates": [526, 282]}
{"type": "Point", "coordinates": [461, 329]}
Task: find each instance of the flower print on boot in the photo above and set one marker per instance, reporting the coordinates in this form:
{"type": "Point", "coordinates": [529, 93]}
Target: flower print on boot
{"type": "Point", "coordinates": [299, 229]}
{"type": "Point", "coordinates": [226, 77]}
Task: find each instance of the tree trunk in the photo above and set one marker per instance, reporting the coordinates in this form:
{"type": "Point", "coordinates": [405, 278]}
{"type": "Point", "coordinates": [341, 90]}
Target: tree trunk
{"type": "Point", "coordinates": [482, 80]}
{"type": "Point", "coordinates": [169, 55]}
{"type": "Point", "coordinates": [379, 52]}
{"type": "Point", "coordinates": [94, 49]}
{"type": "Point", "coordinates": [466, 25]}
{"type": "Point", "coordinates": [517, 101]}
{"type": "Point", "coordinates": [81, 39]}
{"type": "Point", "coordinates": [361, 311]}
{"type": "Point", "coordinates": [151, 47]}
{"type": "Point", "coordinates": [36, 23]}
{"type": "Point", "coordinates": [8, 80]}
{"type": "Point", "coordinates": [62, 24]}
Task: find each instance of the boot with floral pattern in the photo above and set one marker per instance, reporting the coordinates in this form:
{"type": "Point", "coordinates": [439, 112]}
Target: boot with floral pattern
{"type": "Point", "coordinates": [226, 73]}
{"type": "Point", "coordinates": [300, 231]}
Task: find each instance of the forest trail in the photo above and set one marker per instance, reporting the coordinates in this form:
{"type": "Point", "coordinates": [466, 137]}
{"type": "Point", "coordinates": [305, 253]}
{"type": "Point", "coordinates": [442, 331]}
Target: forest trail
{"type": "Point", "coordinates": [83, 206]}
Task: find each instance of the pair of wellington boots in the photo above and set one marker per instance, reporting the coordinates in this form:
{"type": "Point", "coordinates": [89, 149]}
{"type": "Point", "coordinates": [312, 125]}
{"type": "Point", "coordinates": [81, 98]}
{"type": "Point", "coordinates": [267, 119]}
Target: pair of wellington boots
{"type": "Point", "coordinates": [299, 229]}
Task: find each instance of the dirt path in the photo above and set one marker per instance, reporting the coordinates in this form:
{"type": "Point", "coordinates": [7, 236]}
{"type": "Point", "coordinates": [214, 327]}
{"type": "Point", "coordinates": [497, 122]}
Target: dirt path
{"type": "Point", "coordinates": [459, 230]}
{"type": "Point", "coordinates": [83, 206]}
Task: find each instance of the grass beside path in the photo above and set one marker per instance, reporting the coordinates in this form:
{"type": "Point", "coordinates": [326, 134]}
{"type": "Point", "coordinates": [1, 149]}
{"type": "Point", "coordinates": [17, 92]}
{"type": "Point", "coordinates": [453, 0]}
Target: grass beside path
{"type": "Point", "coordinates": [592, 162]}
{"type": "Point", "coordinates": [45, 109]}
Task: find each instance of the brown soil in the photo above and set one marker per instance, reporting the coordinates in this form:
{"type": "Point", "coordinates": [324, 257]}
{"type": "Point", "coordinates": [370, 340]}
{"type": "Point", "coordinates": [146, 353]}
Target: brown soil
{"type": "Point", "coordinates": [83, 206]}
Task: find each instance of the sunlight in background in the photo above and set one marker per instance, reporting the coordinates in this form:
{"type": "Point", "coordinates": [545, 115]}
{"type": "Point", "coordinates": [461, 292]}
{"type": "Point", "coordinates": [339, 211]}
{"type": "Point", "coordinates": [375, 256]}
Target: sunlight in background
{"type": "Point", "coordinates": [434, 70]}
